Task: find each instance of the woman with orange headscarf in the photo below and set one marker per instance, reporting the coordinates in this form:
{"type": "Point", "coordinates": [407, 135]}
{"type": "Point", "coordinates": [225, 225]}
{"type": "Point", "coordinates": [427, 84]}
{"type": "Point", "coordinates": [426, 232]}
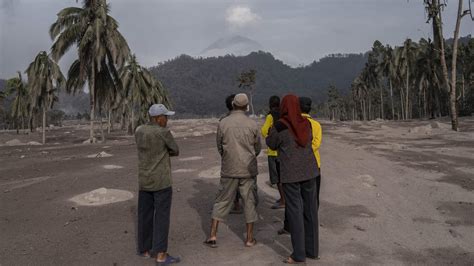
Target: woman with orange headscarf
{"type": "Point", "coordinates": [291, 136]}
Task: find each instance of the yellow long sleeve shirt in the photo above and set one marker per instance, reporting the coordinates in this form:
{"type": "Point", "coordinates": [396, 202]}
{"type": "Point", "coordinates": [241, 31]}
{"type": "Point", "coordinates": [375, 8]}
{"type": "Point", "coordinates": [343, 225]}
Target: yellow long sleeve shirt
{"type": "Point", "coordinates": [317, 137]}
{"type": "Point", "coordinates": [265, 128]}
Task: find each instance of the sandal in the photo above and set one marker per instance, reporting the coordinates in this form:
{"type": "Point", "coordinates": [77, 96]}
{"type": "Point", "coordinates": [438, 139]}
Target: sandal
{"type": "Point", "coordinates": [290, 260]}
{"type": "Point", "coordinates": [210, 243]}
{"type": "Point", "coordinates": [145, 255]}
{"type": "Point", "coordinates": [251, 244]}
{"type": "Point", "coordinates": [169, 260]}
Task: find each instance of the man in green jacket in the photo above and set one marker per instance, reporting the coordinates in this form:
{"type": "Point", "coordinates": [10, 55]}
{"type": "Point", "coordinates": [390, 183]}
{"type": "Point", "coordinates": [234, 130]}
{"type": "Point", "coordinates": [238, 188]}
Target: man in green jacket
{"type": "Point", "coordinates": [155, 145]}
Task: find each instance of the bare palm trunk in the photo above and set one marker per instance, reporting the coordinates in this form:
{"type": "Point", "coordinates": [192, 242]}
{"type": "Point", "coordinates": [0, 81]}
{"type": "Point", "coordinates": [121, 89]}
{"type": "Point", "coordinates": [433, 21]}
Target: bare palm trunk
{"type": "Point", "coordinates": [407, 96]}
{"type": "Point", "coordinates": [452, 98]}
{"type": "Point", "coordinates": [44, 125]}
{"type": "Point", "coordinates": [92, 102]}
{"type": "Point", "coordinates": [251, 102]}
{"type": "Point", "coordinates": [402, 105]}
{"type": "Point", "coordinates": [133, 120]}
{"type": "Point", "coordinates": [381, 103]}
{"type": "Point", "coordinates": [425, 103]}
{"type": "Point", "coordinates": [370, 109]}
{"type": "Point", "coordinates": [102, 134]}
{"type": "Point", "coordinates": [463, 88]}
{"type": "Point", "coordinates": [109, 122]}
{"type": "Point", "coordinates": [391, 99]}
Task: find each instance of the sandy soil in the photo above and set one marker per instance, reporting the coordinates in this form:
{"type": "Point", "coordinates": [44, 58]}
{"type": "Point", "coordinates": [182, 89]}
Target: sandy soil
{"type": "Point", "coordinates": [393, 193]}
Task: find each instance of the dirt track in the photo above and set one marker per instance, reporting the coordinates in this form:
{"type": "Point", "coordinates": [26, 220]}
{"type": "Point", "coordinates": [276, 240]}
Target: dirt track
{"type": "Point", "coordinates": [392, 193]}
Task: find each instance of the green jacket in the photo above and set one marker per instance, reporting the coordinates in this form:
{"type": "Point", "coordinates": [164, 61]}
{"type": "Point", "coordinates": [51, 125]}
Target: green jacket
{"type": "Point", "coordinates": [155, 145]}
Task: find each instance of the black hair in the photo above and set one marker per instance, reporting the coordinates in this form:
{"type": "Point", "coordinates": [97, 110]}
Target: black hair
{"type": "Point", "coordinates": [228, 101]}
{"type": "Point", "coordinates": [274, 102]}
{"type": "Point", "coordinates": [305, 104]}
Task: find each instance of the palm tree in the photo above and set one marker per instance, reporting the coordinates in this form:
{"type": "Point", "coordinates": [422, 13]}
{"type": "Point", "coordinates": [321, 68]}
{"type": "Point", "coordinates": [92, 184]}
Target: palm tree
{"type": "Point", "coordinates": [389, 71]}
{"type": "Point", "coordinates": [247, 81]}
{"type": "Point", "coordinates": [405, 61]}
{"type": "Point", "coordinates": [45, 79]}
{"type": "Point", "coordinates": [140, 90]}
{"type": "Point", "coordinates": [21, 102]}
{"type": "Point", "coordinates": [101, 49]}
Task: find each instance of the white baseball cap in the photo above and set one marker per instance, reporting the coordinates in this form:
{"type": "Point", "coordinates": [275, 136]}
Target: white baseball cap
{"type": "Point", "coordinates": [159, 109]}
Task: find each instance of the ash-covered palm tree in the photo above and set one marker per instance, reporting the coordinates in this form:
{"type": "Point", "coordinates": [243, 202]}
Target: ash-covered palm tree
{"type": "Point", "coordinates": [247, 81]}
{"type": "Point", "coordinates": [406, 58]}
{"type": "Point", "coordinates": [20, 106]}
{"type": "Point", "coordinates": [389, 71]}
{"type": "Point", "coordinates": [101, 49]}
{"type": "Point", "coordinates": [140, 90]}
{"type": "Point", "coordinates": [45, 79]}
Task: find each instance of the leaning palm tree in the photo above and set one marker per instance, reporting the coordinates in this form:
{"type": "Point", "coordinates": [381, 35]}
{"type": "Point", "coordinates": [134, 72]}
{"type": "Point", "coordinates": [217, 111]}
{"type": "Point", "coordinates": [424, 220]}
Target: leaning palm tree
{"type": "Point", "coordinates": [45, 79]}
{"type": "Point", "coordinates": [19, 108]}
{"type": "Point", "coordinates": [101, 49]}
{"type": "Point", "coordinates": [140, 89]}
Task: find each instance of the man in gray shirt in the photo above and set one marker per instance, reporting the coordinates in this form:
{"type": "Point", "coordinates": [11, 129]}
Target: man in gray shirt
{"type": "Point", "coordinates": [238, 143]}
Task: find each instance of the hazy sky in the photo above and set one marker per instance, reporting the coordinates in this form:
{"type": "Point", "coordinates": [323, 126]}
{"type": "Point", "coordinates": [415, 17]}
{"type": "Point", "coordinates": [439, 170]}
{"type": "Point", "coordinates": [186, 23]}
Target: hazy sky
{"type": "Point", "coordinates": [295, 31]}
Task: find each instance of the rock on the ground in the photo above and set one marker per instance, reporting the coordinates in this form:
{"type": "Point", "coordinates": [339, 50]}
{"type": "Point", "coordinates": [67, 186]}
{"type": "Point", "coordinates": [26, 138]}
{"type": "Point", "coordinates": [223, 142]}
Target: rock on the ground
{"type": "Point", "coordinates": [421, 129]}
{"type": "Point", "coordinates": [101, 196]}
{"type": "Point", "coordinates": [14, 142]}
{"type": "Point", "coordinates": [112, 166]}
{"type": "Point", "coordinates": [34, 143]}
{"type": "Point", "coordinates": [436, 124]}
{"type": "Point", "coordinates": [101, 154]}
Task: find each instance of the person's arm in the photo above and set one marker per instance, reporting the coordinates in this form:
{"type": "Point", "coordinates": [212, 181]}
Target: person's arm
{"type": "Point", "coordinates": [317, 135]}
{"type": "Point", "coordinates": [219, 140]}
{"type": "Point", "coordinates": [267, 125]}
{"type": "Point", "coordinates": [173, 148]}
{"type": "Point", "coordinates": [258, 143]}
{"type": "Point", "coordinates": [273, 140]}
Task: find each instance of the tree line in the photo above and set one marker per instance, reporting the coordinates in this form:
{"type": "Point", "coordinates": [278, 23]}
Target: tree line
{"type": "Point", "coordinates": [424, 79]}
{"type": "Point", "coordinates": [120, 89]}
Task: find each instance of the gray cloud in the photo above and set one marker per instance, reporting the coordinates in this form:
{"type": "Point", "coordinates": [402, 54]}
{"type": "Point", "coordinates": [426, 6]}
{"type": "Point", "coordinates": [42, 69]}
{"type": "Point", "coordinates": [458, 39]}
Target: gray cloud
{"type": "Point", "coordinates": [296, 31]}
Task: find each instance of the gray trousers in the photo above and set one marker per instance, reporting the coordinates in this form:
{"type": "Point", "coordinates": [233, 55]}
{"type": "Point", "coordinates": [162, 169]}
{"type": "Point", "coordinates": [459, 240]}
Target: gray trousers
{"type": "Point", "coordinates": [301, 213]}
{"type": "Point", "coordinates": [153, 220]}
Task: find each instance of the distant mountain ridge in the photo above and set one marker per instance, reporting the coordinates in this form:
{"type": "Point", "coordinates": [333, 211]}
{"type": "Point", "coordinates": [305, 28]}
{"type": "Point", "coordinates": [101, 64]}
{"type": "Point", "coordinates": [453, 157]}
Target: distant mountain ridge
{"type": "Point", "coordinates": [236, 45]}
{"type": "Point", "coordinates": [198, 86]}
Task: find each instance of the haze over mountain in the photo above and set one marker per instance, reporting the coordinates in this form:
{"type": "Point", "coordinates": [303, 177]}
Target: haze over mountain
{"type": "Point", "coordinates": [234, 45]}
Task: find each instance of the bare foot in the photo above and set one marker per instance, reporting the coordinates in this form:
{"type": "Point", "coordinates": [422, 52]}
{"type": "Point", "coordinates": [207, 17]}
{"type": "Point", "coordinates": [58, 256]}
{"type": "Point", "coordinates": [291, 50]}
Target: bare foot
{"type": "Point", "coordinates": [252, 243]}
{"type": "Point", "coordinates": [290, 260]}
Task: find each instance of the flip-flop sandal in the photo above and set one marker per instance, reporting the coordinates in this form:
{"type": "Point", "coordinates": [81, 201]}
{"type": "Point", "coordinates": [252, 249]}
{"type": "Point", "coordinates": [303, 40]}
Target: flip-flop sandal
{"type": "Point", "coordinates": [292, 261]}
{"type": "Point", "coordinates": [145, 255]}
{"type": "Point", "coordinates": [210, 243]}
{"type": "Point", "coordinates": [169, 260]}
{"type": "Point", "coordinates": [254, 242]}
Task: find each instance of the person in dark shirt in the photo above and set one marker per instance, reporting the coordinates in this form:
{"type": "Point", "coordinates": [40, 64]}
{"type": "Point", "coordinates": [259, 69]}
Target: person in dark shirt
{"type": "Point", "coordinates": [291, 136]}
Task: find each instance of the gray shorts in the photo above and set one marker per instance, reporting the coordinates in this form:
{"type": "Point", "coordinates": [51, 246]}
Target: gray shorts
{"type": "Point", "coordinates": [274, 169]}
